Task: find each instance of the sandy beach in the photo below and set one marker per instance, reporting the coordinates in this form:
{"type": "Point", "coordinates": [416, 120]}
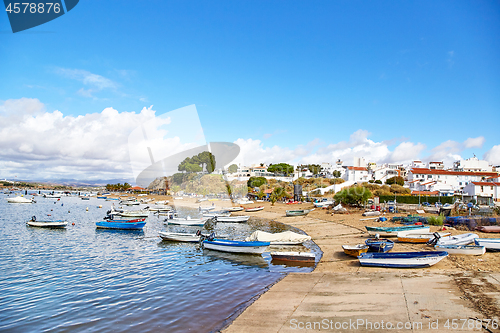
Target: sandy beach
{"type": "Point", "coordinates": [339, 290]}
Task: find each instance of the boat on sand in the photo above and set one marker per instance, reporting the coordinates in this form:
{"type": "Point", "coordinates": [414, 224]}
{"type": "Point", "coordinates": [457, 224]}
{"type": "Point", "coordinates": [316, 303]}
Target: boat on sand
{"type": "Point", "coordinates": [402, 259]}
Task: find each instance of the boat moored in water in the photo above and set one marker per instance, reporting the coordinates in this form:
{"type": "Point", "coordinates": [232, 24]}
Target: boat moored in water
{"type": "Point", "coordinates": [223, 245]}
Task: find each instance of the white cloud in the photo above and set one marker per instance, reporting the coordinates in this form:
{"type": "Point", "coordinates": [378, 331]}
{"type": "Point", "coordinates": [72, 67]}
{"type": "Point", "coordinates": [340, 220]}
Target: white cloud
{"type": "Point", "coordinates": [493, 155]}
{"type": "Point", "coordinates": [38, 144]}
{"type": "Point", "coordinates": [95, 81]}
{"type": "Point", "coordinates": [474, 142]}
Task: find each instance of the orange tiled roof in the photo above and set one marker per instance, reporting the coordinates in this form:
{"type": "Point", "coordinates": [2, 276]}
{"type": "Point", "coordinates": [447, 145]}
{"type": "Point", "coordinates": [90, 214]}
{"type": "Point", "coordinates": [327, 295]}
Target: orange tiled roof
{"type": "Point", "coordinates": [451, 173]}
{"type": "Point", "coordinates": [486, 183]}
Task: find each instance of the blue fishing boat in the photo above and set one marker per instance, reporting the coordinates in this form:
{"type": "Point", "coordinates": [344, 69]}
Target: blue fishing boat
{"type": "Point", "coordinates": [402, 259]}
{"type": "Point", "coordinates": [379, 244]}
{"type": "Point", "coordinates": [397, 231]}
{"type": "Point", "coordinates": [252, 247]}
{"type": "Point", "coordinates": [135, 224]}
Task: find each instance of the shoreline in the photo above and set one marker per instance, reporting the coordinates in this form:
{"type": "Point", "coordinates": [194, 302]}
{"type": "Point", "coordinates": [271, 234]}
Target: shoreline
{"type": "Point", "coordinates": [458, 286]}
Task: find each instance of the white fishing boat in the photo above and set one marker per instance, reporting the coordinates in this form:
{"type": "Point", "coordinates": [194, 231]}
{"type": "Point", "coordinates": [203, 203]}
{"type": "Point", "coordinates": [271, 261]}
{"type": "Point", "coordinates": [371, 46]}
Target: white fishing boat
{"type": "Point", "coordinates": [47, 224]}
{"type": "Point", "coordinates": [234, 209]}
{"type": "Point", "coordinates": [254, 209]}
{"type": "Point", "coordinates": [52, 196]}
{"type": "Point", "coordinates": [180, 237]}
{"type": "Point", "coordinates": [187, 221]}
{"type": "Point", "coordinates": [463, 239]}
{"type": "Point", "coordinates": [206, 209]}
{"type": "Point", "coordinates": [402, 259]}
{"type": "Point", "coordinates": [163, 202]}
{"type": "Point", "coordinates": [244, 201]}
{"type": "Point", "coordinates": [235, 246]}
{"type": "Point", "coordinates": [135, 213]}
{"type": "Point", "coordinates": [160, 209]}
{"type": "Point", "coordinates": [232, 219]}
{"type": "Point", "coordinates": [472, 250]}
{"type": "Point", "coordinates": [20, 200]}
{"type": "Point", "coordinates": [323, 203]}
{"type": "Point", "coordinates": [492, 244]}
{"type": "Point", "coordinates": [280, 238]}
{"type": "Point", "coordinates": [420, 237]}
{"type": "Point", "coordinates": [217, 214]}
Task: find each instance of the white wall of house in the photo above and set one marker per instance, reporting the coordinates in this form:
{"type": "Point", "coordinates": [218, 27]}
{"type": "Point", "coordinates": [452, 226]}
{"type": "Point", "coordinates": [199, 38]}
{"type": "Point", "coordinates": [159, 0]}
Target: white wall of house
{"type": "Point", "coordinates": [472, 164]}
{"type": "Point", "coordinates": [452, 179]}
{"type": "Point", "coordinates": [483, 189]}
{"type": "Point", "coordinates": [356, 174]}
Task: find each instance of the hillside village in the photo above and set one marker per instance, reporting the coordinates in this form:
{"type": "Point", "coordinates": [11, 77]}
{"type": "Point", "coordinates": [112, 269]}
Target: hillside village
{"type": "Point", "coordinates": [472, 178]}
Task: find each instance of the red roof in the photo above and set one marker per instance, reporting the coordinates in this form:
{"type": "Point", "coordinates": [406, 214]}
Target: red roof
{"type": "Point", "coordinates": [426, 171]}
{"type": "Point", "coordinates": [136, 188]}
{"type": "Point", "coordinates": [424, 192]}
{"type": "Point", "coordinates": [486, 183]}
{"type": "Point", "coordinates": [357, 168]}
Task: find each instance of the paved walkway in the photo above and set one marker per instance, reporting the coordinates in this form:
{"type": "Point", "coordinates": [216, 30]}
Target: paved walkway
{"type": "Point", "coordinates": [368, 299]}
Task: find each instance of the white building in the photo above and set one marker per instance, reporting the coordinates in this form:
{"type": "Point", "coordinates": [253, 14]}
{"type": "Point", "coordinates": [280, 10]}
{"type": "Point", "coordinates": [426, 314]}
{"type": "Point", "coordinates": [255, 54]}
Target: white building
{"type": "Point", "coordinates": [421, 179]}
{"type": "Point", "coordinates": [483, 189]}
{"type": "Point", "coordinates": [384, 172]}
{"type": "Point", "coordinates": [472, 164]}
{"type": "Point", "coordinates": [356, 174]}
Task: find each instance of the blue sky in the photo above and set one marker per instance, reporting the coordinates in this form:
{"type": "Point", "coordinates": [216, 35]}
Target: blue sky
{"type": "Point", "coordinates": [295, 81]}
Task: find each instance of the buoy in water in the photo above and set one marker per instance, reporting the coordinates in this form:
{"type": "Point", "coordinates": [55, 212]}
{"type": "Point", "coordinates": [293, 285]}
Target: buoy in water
{"type": "Point", "coordinates": [100, 206]}
{"type": "Point", "coordinates": [87, 209]}
{"type": "Point", "coordinates": [73, 223]}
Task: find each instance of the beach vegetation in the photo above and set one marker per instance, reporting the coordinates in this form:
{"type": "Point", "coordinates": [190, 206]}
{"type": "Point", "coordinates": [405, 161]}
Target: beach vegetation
{"type": "Point", "coordinates": [436, 220]}
{"type": "Point", "coordinates": [395, 180]}
{"type": "Point", "coordinates": [354, 195]}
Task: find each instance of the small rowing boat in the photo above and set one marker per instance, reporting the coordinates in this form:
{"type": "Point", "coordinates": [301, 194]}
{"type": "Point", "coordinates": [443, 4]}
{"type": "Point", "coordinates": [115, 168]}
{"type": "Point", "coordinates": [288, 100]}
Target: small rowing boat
{"type": "Point", "coordinates": [462, 239]}
{"type": "Point", "coordinates": [187, 221]}
{"type": "Point", "coordinates": [254, 209]}
{"type": "Point", "coordinates": [492, 244]}
{"type": "Point", "coordinates": [379, 244]}
{"type": "Point", "coordinates": [235, 246]}
{"type": "Point", "coordinates": [402, 259]}
{"type": "Point", "coordinates": [135, 224]}
{"type": "Point", "coordinates": [472, 250]}
{"type": "Point", "coordinates": [355, 250]}
{"type": "Point", "coordinates": [489, 228]}
{"type": "Point", "coordinates": [298, 212]}
{"type": "Point", "coordinates": [397, 231]}
{"type": "Point", "coordinates": [47, 224]}
{"type": "Point", "coordinates": [232, 219]}
{"type": "Point", "coordinates": [293, 256]}
{"type": "Point", "coordinates": [420, 237]}
{"type": "Point", "coordinates": [279, 238]}
{"type": "Point", "coordinates": [180, 237]}
{"type": "Point", "coordinates": [234, 209]}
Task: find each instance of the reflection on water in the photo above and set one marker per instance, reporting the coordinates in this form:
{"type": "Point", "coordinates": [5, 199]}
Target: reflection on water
{"type": "Point", "coordinates": [98, 280]}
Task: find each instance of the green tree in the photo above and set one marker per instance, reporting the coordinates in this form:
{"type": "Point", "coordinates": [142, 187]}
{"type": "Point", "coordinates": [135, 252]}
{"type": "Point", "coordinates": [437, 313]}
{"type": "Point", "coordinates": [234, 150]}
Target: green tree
{"type": "Point", "coordinates": [256, 182]}
{"type": "Point", "coordinates": [281, 168]}
{"type": "Point", "coordinates": [355, 195]}
{"type": "Point", "coordinates": [395, 180]}
{"type": "Point", "coordinates": [232, 168]}
{"type": "Point", "coordinates": [261, 195]}
{"type": "Point", "coordinates": [336, 174]}
{"type": "Point", "coordinates": [314, 168]}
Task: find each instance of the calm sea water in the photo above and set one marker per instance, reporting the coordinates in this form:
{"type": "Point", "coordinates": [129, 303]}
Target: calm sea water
{"type": "Point", "coordinates": [82, 279]}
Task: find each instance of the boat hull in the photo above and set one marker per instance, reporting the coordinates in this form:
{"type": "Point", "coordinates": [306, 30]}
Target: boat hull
{"type": "Point", "coordinates": [179, 237]}
{"type": "Point", "coordinates": [233, 219]}
{"type": "Point", "coordinates": [355, 250]}
{"type": "Point", "coordinates": [420, 238]}
{"type": "Point", "coordinates": [192, 222]}
{"type": "Point", "coordinates": [489, 228]}
{"type": "Point", "coordinates": [492, 244]}
{"type": "Point", "coordinates": [402, 259]}
{"type": "Point", "coordinates": [379, 245]}
{"type": "Point", "coordinates": [301, 212]}
{"type": "Point", "coordinates": [294, 256]}
{"type": "Point", "coordinates": [396, 231]}
{"type": "Point", "coordinates": [236, 246]}
{"type": "Point", "coordinates": [48, 224]}
{"type": "Point", "coordinates": [120, 225]}
{"type": "Point", "coordinates": [254, 209]}
{"type": "Point", "coordinates": [471, 250]}
{"type": "Point", "coordinates": [463, 239]}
